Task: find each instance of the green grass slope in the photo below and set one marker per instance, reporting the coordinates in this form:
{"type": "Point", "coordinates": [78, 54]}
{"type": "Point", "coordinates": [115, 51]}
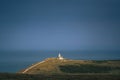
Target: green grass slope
{"type": "Point", "coordinates": [75, 67]}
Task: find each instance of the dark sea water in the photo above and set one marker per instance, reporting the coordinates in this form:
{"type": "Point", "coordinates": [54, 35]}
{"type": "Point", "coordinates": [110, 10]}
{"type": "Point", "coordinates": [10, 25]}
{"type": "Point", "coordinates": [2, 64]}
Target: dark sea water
{"type": "Point", "coordinates": [14, 61]}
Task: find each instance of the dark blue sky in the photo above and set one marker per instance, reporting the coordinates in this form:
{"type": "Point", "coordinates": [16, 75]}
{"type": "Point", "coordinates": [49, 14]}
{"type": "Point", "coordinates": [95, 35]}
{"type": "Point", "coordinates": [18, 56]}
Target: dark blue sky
{"type": "Point", "coordinates": [59, 24]}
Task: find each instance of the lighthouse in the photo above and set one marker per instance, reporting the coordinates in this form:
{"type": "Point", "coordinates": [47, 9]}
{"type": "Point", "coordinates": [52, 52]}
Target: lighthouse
{"type": "Point", "coordinates": [60, 57]}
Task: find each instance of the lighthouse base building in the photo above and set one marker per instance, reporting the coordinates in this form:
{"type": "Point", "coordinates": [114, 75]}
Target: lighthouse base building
{"type": "Point", "coordinates": [60, 57]}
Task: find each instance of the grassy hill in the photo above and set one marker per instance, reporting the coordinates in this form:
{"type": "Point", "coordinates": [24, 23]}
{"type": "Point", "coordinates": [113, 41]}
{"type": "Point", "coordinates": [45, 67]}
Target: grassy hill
{"type": "Point", "coordinates": [55, 69]}
{"type": "Point", "coordinates": [75, 67]}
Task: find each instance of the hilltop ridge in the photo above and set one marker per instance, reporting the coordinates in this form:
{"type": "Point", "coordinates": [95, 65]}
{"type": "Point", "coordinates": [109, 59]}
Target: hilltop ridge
{"type": "Point", "coordinates": [68, 66]}
{"type": "Point", "coordinates": [49, 65]}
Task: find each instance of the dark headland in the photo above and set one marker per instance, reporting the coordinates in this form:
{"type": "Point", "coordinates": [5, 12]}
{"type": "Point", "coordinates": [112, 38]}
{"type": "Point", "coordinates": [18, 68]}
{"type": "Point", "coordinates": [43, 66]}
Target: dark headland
{"type": "Point", "coordinates": [66, 69]}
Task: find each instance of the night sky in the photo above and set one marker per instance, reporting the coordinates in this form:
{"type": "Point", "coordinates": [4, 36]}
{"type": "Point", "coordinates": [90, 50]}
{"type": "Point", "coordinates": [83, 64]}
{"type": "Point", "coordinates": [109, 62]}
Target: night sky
{"type": "Point", "coordinates": [59, 24]}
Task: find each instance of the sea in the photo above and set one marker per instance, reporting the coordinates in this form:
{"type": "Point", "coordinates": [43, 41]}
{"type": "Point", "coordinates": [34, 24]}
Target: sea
{"type": "Point", "coordinates": [15, 61]}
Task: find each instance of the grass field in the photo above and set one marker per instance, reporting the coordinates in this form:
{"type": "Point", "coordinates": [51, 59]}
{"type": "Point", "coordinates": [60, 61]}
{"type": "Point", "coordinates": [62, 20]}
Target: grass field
{"type": "Point", "coordinates": [56, 66]}
{"type": "Point", "coordinates": [55, 69]}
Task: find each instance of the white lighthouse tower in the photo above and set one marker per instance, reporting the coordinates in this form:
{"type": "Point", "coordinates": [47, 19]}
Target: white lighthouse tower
{"type": "Point", "coordinates": [60, 57]}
